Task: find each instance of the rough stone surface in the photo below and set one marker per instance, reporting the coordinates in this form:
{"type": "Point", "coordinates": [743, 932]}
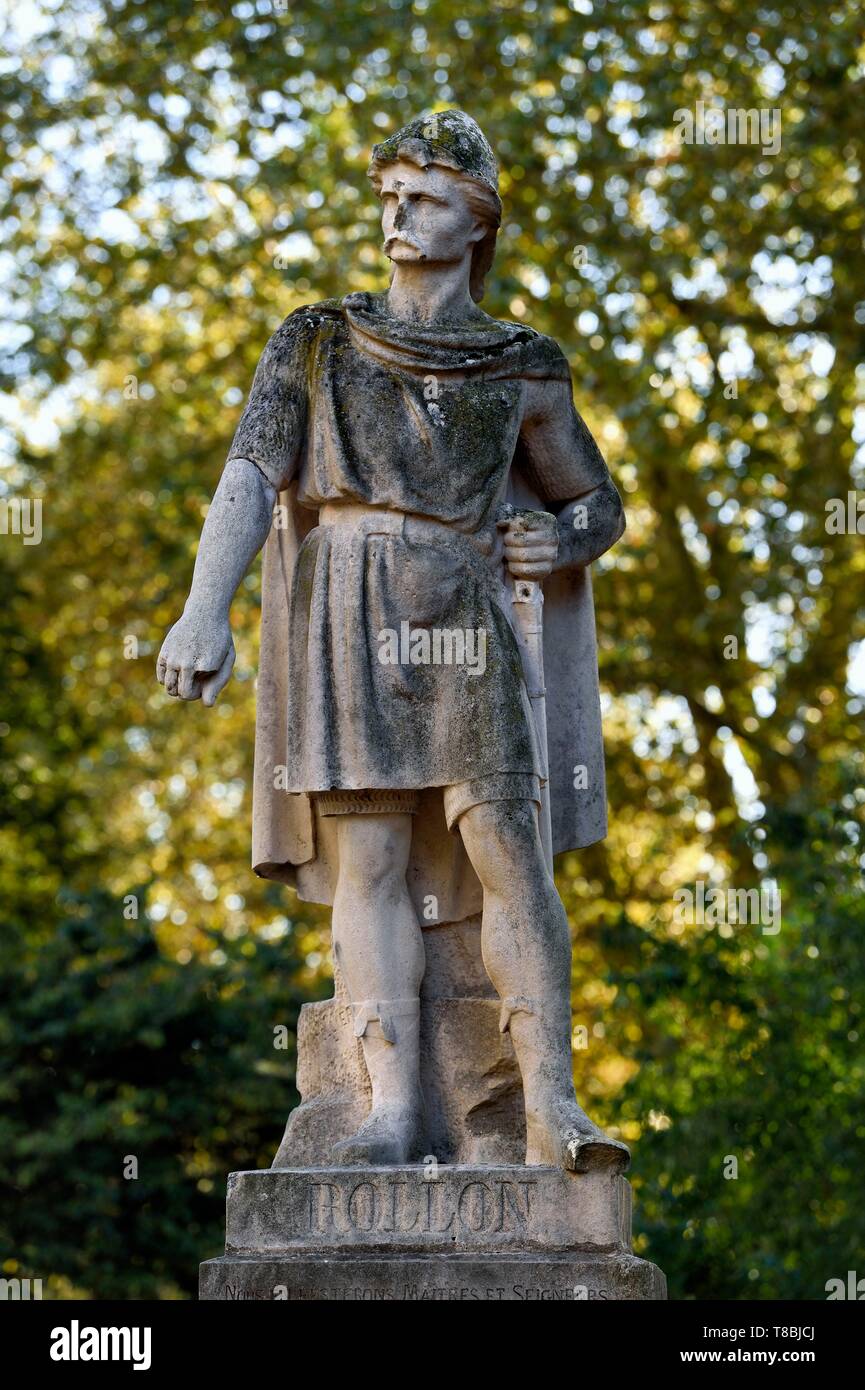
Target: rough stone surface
{"type": "Point", "coordinates": [533, 1278]}
{"type": "Point", "coordinates": [448, 137]}
{"type": "Point", "coordinates": [523, 1234]}
{"type": "Point", "coordinates": [443, 1208]}
{"type": "Point", "coordinates": [469, 1073]}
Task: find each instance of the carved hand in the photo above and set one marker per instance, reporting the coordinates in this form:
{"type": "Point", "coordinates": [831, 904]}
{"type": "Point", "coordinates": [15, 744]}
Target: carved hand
{"type": "Point", "coordinates": [197, 657]}
{"type": "Point", "coordinates": [531, 543]}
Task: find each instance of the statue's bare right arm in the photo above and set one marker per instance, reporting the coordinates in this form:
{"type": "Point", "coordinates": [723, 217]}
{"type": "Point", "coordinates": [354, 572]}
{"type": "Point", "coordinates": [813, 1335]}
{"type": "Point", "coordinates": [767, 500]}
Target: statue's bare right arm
{"type": "Point", "coordinates": [198, 654]}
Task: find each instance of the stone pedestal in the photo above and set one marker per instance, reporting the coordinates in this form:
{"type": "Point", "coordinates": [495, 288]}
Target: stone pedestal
{"type": "Point", "coordinates": [472, 1223]}
{"type": "Point", "coordinates": [463, 1232]}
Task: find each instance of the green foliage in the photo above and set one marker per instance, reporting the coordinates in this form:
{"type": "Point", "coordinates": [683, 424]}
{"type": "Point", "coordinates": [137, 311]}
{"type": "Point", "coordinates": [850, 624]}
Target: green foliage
{"type": "Point", "coordinates": [750, 1050]}
{"type": "Point", "coordinates": [178, 177]}
{"type": "Point", "coordinates": [114, 1052]}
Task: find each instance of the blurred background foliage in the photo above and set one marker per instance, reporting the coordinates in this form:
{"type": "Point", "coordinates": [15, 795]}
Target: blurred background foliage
{"type": "Point", "coordinates": [177, 177]}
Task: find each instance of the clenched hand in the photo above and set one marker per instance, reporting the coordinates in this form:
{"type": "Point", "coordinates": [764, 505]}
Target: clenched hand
{"type": "Point", "coordinates": [531, 543]}
{"type": "Point", "coordinates": [196, 658]}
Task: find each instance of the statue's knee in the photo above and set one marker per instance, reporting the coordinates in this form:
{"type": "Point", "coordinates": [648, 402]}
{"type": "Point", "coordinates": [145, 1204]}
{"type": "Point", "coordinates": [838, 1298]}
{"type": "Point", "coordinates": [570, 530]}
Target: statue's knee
{"type": "Point", "coordinates": [503, 843]}
{"type": "Point", "coordinates": [373, 856]}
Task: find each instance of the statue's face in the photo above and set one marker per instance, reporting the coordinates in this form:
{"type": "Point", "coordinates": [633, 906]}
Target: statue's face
{"type": "Point", "coordinates": [425, 216]}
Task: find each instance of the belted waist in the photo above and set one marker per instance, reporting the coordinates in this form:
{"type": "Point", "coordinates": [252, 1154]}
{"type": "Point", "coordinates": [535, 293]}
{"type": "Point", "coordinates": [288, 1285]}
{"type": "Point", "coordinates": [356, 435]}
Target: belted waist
{"type": "Point", "coordinates": [386, 521]}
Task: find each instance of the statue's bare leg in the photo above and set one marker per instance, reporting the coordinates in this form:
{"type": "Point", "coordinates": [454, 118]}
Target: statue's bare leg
{"type": "Point", "coordinates": [527, 953]}
{"type": "Point", "coordinates": [378, 945]}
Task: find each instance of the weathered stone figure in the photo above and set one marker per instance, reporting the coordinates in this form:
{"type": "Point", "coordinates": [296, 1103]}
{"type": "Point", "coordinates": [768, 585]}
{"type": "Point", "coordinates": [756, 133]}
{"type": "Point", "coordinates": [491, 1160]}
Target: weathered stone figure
{"type": "Point", "coordinates": [398, 765]}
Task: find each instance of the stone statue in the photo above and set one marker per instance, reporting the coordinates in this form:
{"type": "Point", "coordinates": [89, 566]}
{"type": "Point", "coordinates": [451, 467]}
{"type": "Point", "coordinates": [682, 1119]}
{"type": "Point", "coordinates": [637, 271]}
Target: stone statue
{"type": "Point", "coordinates": [414, 470]}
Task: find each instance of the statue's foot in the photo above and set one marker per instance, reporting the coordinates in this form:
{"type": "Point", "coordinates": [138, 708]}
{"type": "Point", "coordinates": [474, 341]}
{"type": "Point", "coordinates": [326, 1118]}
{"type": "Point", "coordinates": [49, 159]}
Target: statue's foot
{"type": "Point", "coordinates": [563, 1136]}
{"type": "Point", "coordinates": [390, 1135]}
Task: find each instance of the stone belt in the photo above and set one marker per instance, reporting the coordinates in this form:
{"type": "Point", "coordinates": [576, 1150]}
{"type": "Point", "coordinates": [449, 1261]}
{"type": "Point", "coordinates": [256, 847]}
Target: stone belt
{"type": "Point", "coordinates": [387, 521]}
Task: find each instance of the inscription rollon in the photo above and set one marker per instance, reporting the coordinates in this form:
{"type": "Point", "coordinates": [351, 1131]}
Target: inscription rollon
{"type": "Point", "coordinates": [394, 1206]}
{"type": "Point", "coordinates": [465, 1208]}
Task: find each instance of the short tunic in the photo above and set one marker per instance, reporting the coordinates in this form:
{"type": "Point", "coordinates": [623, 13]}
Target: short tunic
{"type": "Point", "coordinates": [402, 441]}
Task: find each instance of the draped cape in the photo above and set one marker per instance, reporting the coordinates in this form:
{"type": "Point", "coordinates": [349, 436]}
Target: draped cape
{"type": "Point", "coordinates": [291, 842]}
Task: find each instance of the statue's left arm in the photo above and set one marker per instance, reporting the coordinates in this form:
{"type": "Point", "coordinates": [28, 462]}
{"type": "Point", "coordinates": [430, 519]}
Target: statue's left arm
{"type": "Point", "coordinates": [565, 466]}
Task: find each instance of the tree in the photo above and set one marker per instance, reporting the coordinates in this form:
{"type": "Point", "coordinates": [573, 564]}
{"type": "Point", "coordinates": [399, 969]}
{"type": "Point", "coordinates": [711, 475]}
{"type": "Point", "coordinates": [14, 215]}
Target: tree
{"type": "Point", "coordinates": [178, 177]}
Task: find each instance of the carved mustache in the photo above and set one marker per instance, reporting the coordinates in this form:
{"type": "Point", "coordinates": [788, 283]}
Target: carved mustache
{"type": "Point", "coordinates": [404, 240]}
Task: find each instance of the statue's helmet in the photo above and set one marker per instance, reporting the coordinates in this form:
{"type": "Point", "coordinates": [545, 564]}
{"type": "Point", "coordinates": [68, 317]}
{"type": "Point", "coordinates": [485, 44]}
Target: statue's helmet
{"type": "Point", "coordinates": [452, 140]}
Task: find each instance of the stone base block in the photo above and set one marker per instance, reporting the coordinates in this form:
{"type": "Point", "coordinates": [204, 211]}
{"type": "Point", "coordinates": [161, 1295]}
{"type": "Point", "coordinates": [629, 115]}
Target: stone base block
{"type": "Point", "coordinates": [519, 1278]}
{"type": "Point", "coordinates": [475, 1233]}
{"type": "Point", "coordinates": [449, 1208]}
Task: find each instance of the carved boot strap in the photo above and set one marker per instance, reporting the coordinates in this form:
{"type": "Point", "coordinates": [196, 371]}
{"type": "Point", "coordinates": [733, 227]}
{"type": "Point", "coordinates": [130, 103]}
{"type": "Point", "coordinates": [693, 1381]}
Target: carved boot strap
{"type": "Point", "coordinates": [383, 1011]}
{"type": "Point", "coordinates": [516, 1004]}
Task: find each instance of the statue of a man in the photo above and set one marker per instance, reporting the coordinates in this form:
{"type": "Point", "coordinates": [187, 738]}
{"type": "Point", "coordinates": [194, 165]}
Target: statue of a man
{"type": "Point", "coordinates": [399, 767]}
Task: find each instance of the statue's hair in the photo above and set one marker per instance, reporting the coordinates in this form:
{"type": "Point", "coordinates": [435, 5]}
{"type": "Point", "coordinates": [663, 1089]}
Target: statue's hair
{"type": "Point", "coordinates": [483, 203]}
{"type": "Point", "coordinates": [486, 206]}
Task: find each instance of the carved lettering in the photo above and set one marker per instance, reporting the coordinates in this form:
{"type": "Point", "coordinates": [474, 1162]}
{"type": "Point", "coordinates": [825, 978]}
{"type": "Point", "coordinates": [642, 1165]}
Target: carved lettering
{"type": "Point", "coordinates": [362, 1210]}
{"type": "Point", "coordinates": [397, 1206]}
{"type": "Point", "coordinates": [510, 1205]}
{"type": "Point", "coordinates": [323, 1201]}
{"type": "Point", "coordinates": [433, 1207]}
